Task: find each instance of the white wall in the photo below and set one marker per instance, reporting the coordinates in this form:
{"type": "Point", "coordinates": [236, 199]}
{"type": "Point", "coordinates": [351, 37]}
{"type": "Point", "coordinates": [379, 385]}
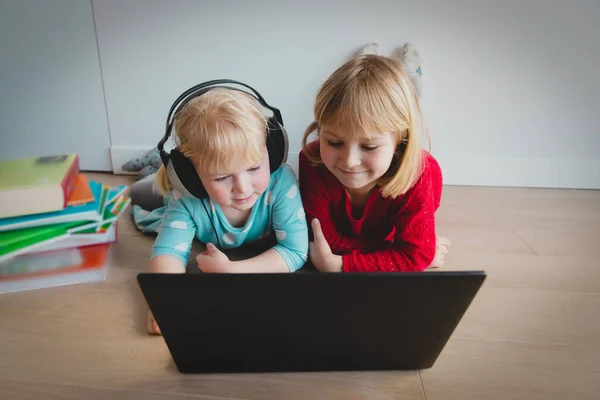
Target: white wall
{"type": "Point", "coordinates": [511, 92]}
{"type": "Point", "coordinates": [51, 98]}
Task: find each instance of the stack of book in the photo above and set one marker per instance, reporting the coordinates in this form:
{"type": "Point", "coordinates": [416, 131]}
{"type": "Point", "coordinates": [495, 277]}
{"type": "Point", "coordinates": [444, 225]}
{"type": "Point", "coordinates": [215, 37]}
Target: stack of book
{"type": "Point", "coordinates": [56, 226]}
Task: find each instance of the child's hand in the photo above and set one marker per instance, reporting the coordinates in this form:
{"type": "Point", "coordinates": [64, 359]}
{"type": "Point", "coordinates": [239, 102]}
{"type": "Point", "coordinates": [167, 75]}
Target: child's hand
{"type": "Point", "coordinates": [151, 325]}
{"type": "Point", "coordinates": [214, 261]}
{"type": "Point", "coordinates": [320, 252]}
{"type": "Point", "coordinates": [442, 246]}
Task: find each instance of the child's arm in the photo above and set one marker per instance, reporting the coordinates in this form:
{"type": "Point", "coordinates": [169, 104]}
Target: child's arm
{"type": "Point", "coordinates": [270, 261]}
{"type": "Point", "coordinates": [162, 264]}
{"type": "Point", "coordinates": [415, 241]}
{"type": "Point", "coordinates": [172, 246]}
{"type": "Point", "coordinates": [289, 222]}
{"type": "Point", "coordinates": [166, 264]}
{"type": "Point", "coordinates": [317, 205]}
{"type": "Point", "coordinates": [214, 260]}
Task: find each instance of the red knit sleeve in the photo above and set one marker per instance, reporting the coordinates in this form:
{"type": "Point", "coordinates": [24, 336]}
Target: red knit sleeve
{"type": "Point", "coordinates": [414, 244]}
{"type": "Point", "coordinates": [317, 204]}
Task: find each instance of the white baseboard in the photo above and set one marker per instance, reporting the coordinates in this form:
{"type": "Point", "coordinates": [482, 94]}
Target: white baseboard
{"type": "Point", "coordinates": [521, 172]}
{"type": "Point", "coordinates": [121, 154]}
{"type": "Point", "coordinates": [469, 171]}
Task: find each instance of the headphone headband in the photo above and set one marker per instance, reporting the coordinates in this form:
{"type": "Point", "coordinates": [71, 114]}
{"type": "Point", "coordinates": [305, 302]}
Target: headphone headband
{"type": "Point", "coordinates": [189, 94]}
{"type": "Point", "coordinates": [200, 89]}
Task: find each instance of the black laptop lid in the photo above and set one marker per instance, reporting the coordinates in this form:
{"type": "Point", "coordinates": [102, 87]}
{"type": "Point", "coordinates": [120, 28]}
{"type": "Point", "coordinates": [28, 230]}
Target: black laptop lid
{"type": "Point", "coordinates": [308, 322]}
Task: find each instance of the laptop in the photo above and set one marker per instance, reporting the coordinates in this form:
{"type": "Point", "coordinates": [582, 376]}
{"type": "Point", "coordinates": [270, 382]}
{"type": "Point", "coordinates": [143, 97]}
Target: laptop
{"type": "Point", "coordinates": [223, 323]}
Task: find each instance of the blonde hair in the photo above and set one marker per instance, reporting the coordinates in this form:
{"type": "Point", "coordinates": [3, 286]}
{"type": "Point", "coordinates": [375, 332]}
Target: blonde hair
{"type": "Point", "coordinates": [373, 93]}
{"type": "Point", "coordinates": [217, 131]}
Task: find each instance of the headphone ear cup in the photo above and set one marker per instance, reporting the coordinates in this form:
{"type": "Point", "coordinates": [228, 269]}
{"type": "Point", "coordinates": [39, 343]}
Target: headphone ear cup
{"type": "Point", "coordinates": [277, 144]}
{"type": "Point", "coordinates": [183, 176]}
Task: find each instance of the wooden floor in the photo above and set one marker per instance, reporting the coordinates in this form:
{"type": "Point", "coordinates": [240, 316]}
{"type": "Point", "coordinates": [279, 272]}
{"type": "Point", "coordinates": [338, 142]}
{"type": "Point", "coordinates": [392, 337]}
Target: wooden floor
{"type": "Point", "coordinates": [533, 332]}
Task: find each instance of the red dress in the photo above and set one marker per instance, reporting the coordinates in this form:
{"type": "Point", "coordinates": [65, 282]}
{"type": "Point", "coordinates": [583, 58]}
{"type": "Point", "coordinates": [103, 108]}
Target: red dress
{"type": "Point", "coordinates": [391, 234]}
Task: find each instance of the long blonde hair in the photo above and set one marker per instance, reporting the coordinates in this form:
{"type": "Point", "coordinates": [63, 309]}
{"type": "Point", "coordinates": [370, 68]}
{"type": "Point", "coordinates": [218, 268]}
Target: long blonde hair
{"type": "Point", "coordinates": [373, 93]}
{"type": "Point", "coordinates": [216, 131]}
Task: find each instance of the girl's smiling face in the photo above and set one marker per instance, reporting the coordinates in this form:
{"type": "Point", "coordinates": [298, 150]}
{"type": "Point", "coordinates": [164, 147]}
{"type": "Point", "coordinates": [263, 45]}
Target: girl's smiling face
{"type": "Point", "coordinates": [358, 161]}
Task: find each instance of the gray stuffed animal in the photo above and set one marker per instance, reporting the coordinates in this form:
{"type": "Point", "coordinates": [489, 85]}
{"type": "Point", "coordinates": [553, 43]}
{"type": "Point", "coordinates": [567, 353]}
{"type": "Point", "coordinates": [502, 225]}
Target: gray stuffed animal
{"type": "Point", "coordinates": [145, 165]}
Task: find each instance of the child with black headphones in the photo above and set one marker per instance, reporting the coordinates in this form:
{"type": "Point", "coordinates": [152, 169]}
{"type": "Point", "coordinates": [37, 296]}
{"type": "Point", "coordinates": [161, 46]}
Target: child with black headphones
{"type": "Point", "coordinates": [227, 185]}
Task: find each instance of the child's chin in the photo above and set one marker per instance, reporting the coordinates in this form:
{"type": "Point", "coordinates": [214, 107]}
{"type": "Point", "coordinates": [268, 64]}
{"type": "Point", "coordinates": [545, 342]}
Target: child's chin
{"type": "Point", "coordinates": [245, 205]}
{"type": "Point", "coordinates": [353, 183]}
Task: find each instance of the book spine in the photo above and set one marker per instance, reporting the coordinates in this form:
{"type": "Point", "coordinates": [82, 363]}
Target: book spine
{"type": "Point", "coordinates": [68, 182]}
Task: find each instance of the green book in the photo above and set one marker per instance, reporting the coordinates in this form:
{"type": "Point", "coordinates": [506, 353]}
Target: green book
{"type": "Point", "coordinates": [13, 243]}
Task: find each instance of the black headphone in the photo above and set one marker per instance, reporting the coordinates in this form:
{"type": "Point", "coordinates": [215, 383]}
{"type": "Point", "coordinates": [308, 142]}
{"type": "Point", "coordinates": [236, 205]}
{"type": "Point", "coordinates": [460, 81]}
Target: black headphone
{"type": "Point", "coordinates": [180, 170]}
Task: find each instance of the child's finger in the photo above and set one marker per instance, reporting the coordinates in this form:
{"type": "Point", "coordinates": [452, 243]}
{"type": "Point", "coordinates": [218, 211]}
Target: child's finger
{"type": "Point", "coordinates": [202, 258]}
{"type": "Point", "coordinates": [317, 231]}
{"type": "Point", "coordinates": [214, 251]}
{"type": "Point", "coordinates": [204, 263]}
{"type": "Point", "coordinates": [151, 324]}
{"type": "Point", "coordinates": [204, 253]}
{"type": "Point", "coordinates": [437, 263]}
{"type": "Point", "coordinates": [442, 241]}
{"type": "Point", "coordinates": [155, 327]}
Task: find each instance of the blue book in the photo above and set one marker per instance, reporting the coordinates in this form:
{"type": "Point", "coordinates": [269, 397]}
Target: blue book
{"type": "Point", "coordinates": [114, 193]}
{"type": "Point", "coordinates": [82, 212]}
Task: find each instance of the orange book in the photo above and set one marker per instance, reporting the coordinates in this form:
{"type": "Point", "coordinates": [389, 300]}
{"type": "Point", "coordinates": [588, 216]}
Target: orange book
{"type": "Point", "coordinates": [81, 193]}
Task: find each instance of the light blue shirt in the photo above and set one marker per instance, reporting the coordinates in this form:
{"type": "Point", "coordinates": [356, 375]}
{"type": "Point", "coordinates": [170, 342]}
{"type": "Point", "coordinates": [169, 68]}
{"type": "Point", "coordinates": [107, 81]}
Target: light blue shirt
{"type": "Point", "coordinates": [277, 211]}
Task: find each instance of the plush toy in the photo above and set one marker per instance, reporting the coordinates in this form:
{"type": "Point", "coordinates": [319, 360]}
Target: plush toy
{"type": "Point", "coordinates": [409, 56]}
{"type": "Point", "coordinates": [413, 61]}
{"type": "Point", "coordinates": [371, 48]}
{"type": "Point", "coordinates": [145, 165]}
